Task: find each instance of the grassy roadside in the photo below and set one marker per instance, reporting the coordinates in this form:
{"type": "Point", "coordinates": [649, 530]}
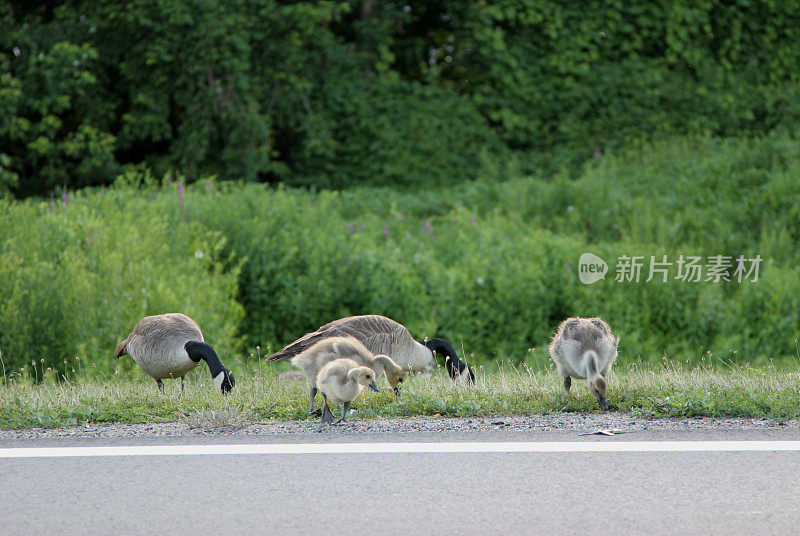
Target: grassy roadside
{"type": "Point", "coordinates": [668, 391]}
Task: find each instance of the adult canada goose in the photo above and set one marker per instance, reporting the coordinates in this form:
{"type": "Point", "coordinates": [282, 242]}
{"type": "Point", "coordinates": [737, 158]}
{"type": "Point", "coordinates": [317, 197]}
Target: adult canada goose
{"type": "Point", "coordinates": [585, 348]}
{"type": "Point", "coordinates": [383, 335]}
{"type": "Point", "coordinates": [341, 381]}
{"type": "Point", "coordinates": [313, 359]}
{"type": "Point", "coordinates": [169, 346]}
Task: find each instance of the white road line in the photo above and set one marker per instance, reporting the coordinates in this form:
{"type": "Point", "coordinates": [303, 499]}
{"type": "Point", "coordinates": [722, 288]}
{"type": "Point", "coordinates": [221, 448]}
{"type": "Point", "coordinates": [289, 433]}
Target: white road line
{"type": "Point", "coordinates": [400, 448]}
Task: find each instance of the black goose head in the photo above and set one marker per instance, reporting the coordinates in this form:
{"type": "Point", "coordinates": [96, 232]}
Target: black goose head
{"type": "Point", "coordinates": [227, 382]}
{"type": "Point", "coordinates": [455, 367]}
{"type": "Point", "coordinates": [223, 378]}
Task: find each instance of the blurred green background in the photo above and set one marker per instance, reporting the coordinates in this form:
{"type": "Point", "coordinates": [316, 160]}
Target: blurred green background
{"type": "Point", "coordinates": [266, 167]}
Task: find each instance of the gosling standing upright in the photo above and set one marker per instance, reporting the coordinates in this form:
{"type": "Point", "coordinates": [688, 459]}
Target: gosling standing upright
{"type": "Point", "coordinates": [584, 348]}
{"type": "Point", "coordinates": [312, 359]}
{"type": "Point", "coordinates": [341, 381]}
{"type": "Point", "coordinates": [169, 346]}
{"type": "Point", "coordinates": [383, 335]}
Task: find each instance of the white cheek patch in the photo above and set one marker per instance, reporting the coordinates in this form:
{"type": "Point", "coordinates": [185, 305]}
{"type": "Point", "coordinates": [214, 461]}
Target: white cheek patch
{"type": "Point", "coordinates": [218, 379]}
{"type": "Point", "coordinates": [463, 376]}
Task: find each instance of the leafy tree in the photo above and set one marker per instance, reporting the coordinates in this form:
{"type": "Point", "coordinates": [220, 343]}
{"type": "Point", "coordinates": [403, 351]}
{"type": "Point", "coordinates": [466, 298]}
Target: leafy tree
{"type": "Point", "coordinates": [331, 93]}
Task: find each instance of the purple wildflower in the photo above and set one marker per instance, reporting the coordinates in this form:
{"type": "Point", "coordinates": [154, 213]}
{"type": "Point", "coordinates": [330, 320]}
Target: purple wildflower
{"type": "Point", "coordinates": [89, 238]}
{"type": "Point", "coordinates": [474, 220]}
{"type": "Point", "coordinates": [181, 194]}
{"type": "Point", "coordinates": [52, 206]}
{"type": "Point", "coordinates": [426, 227]}
{"type": "Point", "coordinates": [65, 198]}
{"type": "Point", "coordinates": [351, 228]}
{"type": "Point", "coordinates": [207, 184]}
{"type": "Point", "coordinates": [597, 153]}
{"type": "Point", "coordinates": [386, 231]}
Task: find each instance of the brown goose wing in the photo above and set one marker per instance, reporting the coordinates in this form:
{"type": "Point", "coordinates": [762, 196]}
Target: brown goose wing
{"type": "Point", "coordinates": [144, 327]}
{"type": "Point", "coordinates": [174, 324]}
{"type": "Point", "coordinates": [374, 331]}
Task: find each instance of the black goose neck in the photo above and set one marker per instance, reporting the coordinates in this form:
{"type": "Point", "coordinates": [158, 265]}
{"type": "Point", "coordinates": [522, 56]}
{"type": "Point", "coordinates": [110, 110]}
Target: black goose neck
{"type": "Point", "coordinates": [441, 347]}
{"type": "Point", "coordinates": [202, 351]}
{"type": "Point", "coordinates": [455, 367]}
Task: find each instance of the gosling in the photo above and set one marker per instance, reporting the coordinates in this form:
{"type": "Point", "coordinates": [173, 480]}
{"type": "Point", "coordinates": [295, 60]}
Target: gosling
{"type": "Point", "coordinates": [584, 348]}
{"type": "Point", "coordinates": [341, 381]}
{"type": "Point", "coordinates": [383, 335]}
{"type": "Point", "coordinates": [312, 359]}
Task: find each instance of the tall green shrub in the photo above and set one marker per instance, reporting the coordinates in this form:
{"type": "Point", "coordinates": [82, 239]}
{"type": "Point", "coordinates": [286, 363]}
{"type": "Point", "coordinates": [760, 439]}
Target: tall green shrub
{"type": "Point", "coordinates": [75, 276]}
{"type": "Point", "coordinates": [489, 279]}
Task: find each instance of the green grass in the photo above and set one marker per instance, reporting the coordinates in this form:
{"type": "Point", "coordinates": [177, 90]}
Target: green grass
{"type": "Point", "coordinates": [669, 391]}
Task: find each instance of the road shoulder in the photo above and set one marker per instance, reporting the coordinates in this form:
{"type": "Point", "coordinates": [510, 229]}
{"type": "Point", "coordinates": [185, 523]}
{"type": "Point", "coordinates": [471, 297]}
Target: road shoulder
{"type": "Point", "coordinates": [556, 427]}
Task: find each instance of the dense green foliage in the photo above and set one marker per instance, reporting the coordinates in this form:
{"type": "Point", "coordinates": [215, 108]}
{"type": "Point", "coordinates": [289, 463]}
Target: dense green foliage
{"type": "Point", "coordinates": [76, 276]}
{"type": "Point", "coordinates": [490, 266]}
{"type": "Point", "coordinates": [494, 266]}
{"type": "Point", "coordinates": [387, 93]}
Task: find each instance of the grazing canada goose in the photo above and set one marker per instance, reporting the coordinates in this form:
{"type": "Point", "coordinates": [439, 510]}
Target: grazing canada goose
{"type": "Point", "coordinates": [169, 346]}
{"type": "Point", "coordinates": [341, 381]}
{"type": "Point", "coordinates": [313, 359]}
{"type": "Point", "coordinates": [585, 348]}
{"type": "Point", "coordinates": [383, 335]}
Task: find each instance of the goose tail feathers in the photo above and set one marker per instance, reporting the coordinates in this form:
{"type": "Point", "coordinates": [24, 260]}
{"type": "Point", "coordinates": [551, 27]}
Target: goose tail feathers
{"type": "Point", "coordinates": [122, 349]}
{"type": "Point", "coordinates": [282, 355]}
{"type": "Point", "coordinates": [294, 348]}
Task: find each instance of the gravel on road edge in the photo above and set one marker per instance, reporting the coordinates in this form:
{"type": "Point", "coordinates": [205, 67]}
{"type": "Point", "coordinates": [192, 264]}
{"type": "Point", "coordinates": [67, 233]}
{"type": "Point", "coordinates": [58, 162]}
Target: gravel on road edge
{"type": "Point", "coordinates": [503, 428]}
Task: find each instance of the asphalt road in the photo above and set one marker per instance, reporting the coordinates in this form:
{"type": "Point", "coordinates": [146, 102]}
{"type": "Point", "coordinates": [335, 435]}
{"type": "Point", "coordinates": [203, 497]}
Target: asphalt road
{"type": "Point", "coordinates": [726, 493]}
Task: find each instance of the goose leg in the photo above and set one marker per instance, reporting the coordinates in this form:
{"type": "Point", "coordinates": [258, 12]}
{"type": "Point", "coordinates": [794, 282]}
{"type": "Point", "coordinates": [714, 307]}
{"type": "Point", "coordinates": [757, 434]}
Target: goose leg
{"type": "Point", "coordinates": [160, 385]}
{"type": "Point", "coordinates": [567, 385]}
{"type": "Point", "coordinates": [312, 392]}
{"type": "Point", "coordinates": [327, 415]}
{"type": "Point", "coordinates": [345, 409]}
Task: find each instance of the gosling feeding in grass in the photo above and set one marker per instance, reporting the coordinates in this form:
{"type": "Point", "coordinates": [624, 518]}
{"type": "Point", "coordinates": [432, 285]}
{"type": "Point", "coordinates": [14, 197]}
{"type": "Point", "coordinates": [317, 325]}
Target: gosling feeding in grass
{"type": "Point", "coordinates": [382, 335]}
{"type": "Point", "coordinates": [341, 381]}
{"type": "Point", "coordinates": [312, 359]}
{"type": "Point", "coordinates": [169, 346]}
{"type": "Point", "coordinates": [584, 348]}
